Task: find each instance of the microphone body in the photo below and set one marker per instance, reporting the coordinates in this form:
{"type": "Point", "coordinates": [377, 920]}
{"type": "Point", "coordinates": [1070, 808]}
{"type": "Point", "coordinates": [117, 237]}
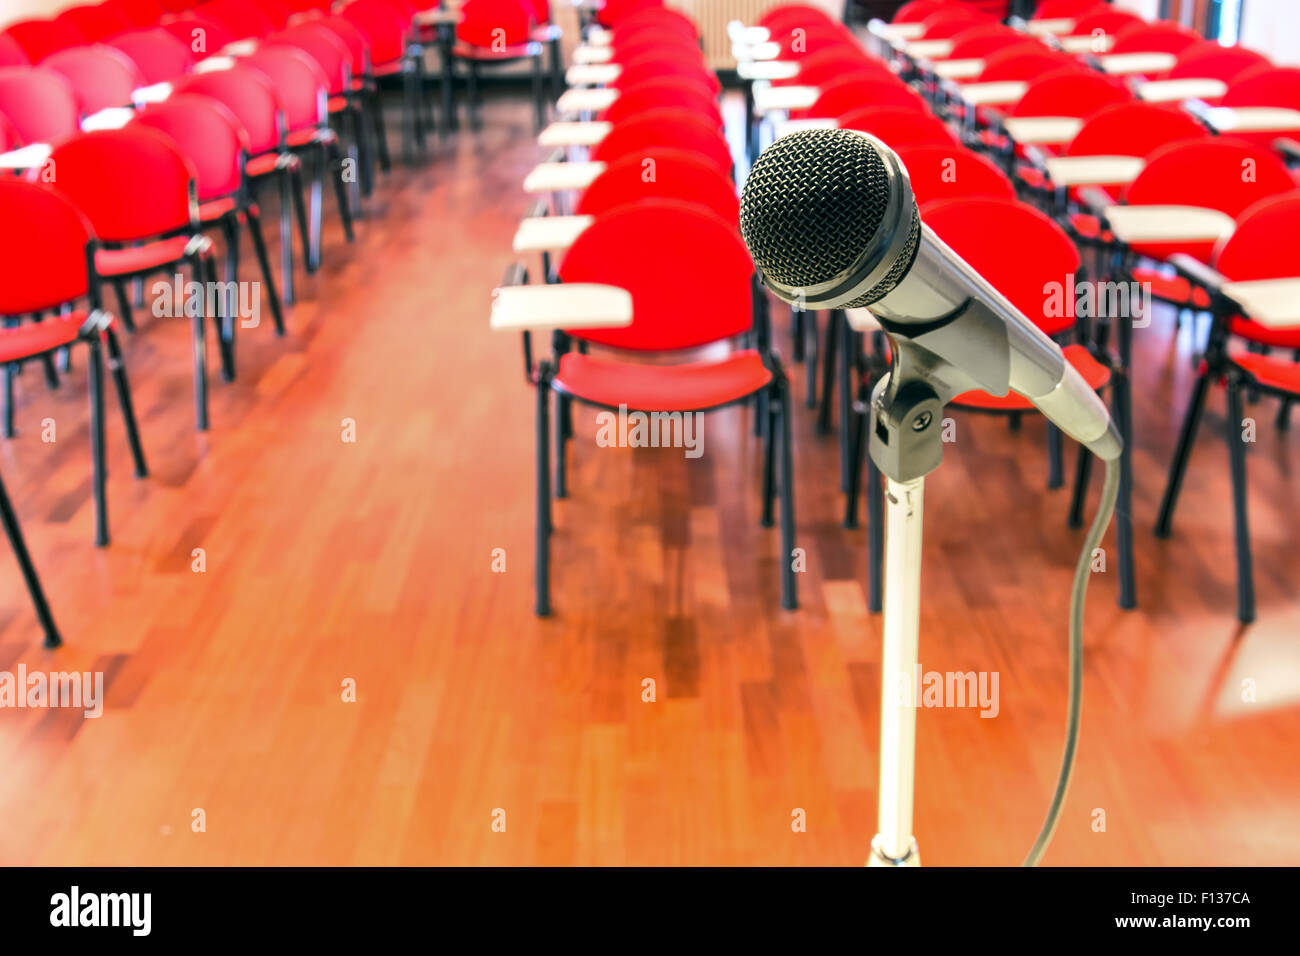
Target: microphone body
{"type": "Point", "coordinates": [830, 220]}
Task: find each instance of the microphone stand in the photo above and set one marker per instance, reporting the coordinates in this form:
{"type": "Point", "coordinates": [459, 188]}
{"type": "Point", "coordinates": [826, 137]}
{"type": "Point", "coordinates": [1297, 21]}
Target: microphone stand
{"type": "Point", "coordinates": [906, 445]}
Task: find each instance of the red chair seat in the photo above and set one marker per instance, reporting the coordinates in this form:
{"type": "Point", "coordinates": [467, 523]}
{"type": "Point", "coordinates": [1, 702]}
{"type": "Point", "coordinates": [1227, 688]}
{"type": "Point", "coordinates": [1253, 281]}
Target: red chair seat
{"type": "Point", "coordinates": [263, 165]}
{"type": "Point", "coordinates": [391, 68]}
{"type": "Point", "coordinates": [215, 209]}
{"type": "Point", "coordinates": [690, 386]}
{"type": "Point", "coordinates": [305, 137]}
{"type": "Point", "coordinates": [34, 338]}
{"type": "Point", "coordinates": [1173, 289]}
{"type": "Point", "coordinates": [1087, 226]}
{"type": "Point", "coordinates": [337, 104]}
{"type": "Point", "coordinates": [152, 255]}
{"type": "Point", "coordinates": [1272, 372]}
{"type": "Point", "coordinates": [1288, 338]}
{"type": "Point", "coordinates": [1093, 372]}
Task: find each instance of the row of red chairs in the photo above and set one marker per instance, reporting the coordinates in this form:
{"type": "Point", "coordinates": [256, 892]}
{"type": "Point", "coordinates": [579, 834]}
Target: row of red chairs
{"type": "Point", "coordinates": [1180, 157]}
{"type": "Point", "coordinates": [665, 229]}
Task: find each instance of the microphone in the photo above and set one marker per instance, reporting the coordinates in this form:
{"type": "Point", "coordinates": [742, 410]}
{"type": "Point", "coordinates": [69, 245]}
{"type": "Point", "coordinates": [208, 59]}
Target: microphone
{"type": "Point", "coordinates": [830, 221]}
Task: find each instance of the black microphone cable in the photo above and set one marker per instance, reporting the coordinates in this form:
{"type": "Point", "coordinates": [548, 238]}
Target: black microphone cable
{"type": "Point", "coordinates": [1082, 572]}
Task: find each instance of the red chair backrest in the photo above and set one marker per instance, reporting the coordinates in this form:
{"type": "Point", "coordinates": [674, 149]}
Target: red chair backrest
{"type": "Point", "coordinates": [1012, 245]}
{"type": "Point", "coordinates": [157, 54]}
{"type": "Point", "coordinates": [1063, 9]}
{"type": "Point", "coordinates": [1025, 61]}
{"type": "Point", "coordinates": [818, 69]}
{"type": "Point", "coordinates": [653, 43]}
{"type": "Point", "coordinates": [147, 13]}
{"type": "Point", "coordinates": [250, 96]}
{"type": "Point", "coordinates": [1106, 19]}
{"type": "Point", "coordinates": [668, 63]}
{"type": "Point", "coordinates": [40, 38]}
{"type": "Point", "coordinates": [670, 91]}
{"type": "Point", "coordinates": [686, 268]}
{"type": "Point", "coordinates": [792, 13]}
{"type": "Point", "coordinates": [201, 35]}
{"type": "Point", "coordinates": [300, 84]}
{"type": "Point", "coordinates": [1216, 172]}
{"type": "Point", "coordinates": [613, 11]}
{"type": "Point", "coordinates": [486, 23]}
{"type": "Point", "coordinates": [658, 18]}
{"type": "Point", "coordinates": [983, 40]}
{"type": "Point", "coordinates": [1265, 86]}
{"type": "Point", "coordinates": [945, 172]}
{"type": "Point", "coordinates": [241, 17]}
{"type": "Point", "coordinates": [857, 92]}
{"type": "Point", "coordinates": [952, 20]}
{"type": "Point", "coordinates": [324, 46]}
{"type": "Point", "coordinates": [661, 173]}
{"type": "Point", "coordinates": [357, 43]}
{"type": "Point", "coordinates": [1134, 129]}
{"type": "Point", "coordinates": [275, 11]}
{"type": "Point", "coordinates": [101, 76]}
{"type": "Point", "coordinates": [666, 128]}
{"type": "Point", "coordinates": [1154, 38]}
{"type": "Point", "coordinates": [35, 276]}
{"type": "Point", "coordinates": [917, 10]}
{"type": "Point", "coordinates": [383, 26]}
{"type": "Point", "coordinates": [132, 183]}
{"type": "Point", "coordinates": [900, 126]}
{"type": "Point", "coordinates": [1265, 243]}
{"type": "Point", "coordinates": [11, 54]}
{"type": "Point", "coordinates": [96, 22]}
{"type": "Point", "coordinates": [39, 103]}
{"type": "Point", "coordinates": [808, 38]}
{"type": "Point", "coordinates": [1071, 92]}
{"type": "Point", "coordinates": [208, 134]}
{"type": "Point", "coordinates": [1210, 60]}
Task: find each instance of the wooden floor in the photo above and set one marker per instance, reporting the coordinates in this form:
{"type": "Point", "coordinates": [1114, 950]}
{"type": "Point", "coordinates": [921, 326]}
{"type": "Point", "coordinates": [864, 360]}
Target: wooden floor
{"type": "Point", "coordinates": [329, 562]}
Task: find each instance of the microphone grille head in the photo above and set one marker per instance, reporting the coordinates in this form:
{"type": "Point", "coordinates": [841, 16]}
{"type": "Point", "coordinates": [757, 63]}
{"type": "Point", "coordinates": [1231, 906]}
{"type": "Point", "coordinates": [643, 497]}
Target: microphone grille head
{"type": "Point", "coordinates": [818, 204]}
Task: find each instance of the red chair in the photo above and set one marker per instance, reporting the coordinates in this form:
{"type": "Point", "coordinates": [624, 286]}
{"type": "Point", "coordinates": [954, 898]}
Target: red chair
{"type": "Point", "coordinates": [495, 32]}
{"type": "Point", "coordinates": [665, 63]}
{"type": "Point", "coordinates": [50, 276]}
{"type": "Point", "coordinates": [797, 13]}
{"type": "Point", "coordinates": [101, 76]}
{"type": "Point", "coordinates": [819, 69]}
{"type": "Point", "coordinates": [40, 38]}
{"type": "Point", "coordinates": [211, 138]}
{"type": "Point", "coordinates": [917, 10]}
{"type": "Point", "coordinates": [394, 52]}
{"type": "Point", "coordinates": [944, 172]}
{"type": "Point", "coordinates": [612, 12]}
{"type": "Point", "coordinates": [982, 41]}
{"type": "Point", "coordinates": [157, 54]}
{"type": "Point", "coordinates": [1025, 61]}
{"type": "Point", "coordinates": [671, 92]}
{"type": "Point", "coordinates": [241, 17]}
{"type": "Point", "coordinates": [276, 11]}
{"type": "Point", "coordinates": [857, 91]}
{"type": "Point", "coordinates": [951, 20]}
{"type": "Point", "coordinates": [1064, 9]}
{"type": "Point", "coordinates": [40, 104]}
{"type": "Point", "coordinates": [627, 45]}
{"type": "Point", "coordinates": [147, 13]}
{"type": "Point", "coordinates": [1106, 19]}
{"type": "Point", "coordinates": [138, 191]}
{"type": "Point", "coordinates": [201, 35]}
{"type": "Point", "coordinates": [303, 89]}
{"type": "Point", "coordinates": [659, 18]}
{"type": "Point", "coordinates": [899, 126]}
{"type": "Point", "coordinates": [1265, 86]}
{"type": "Point", "coordinates": [251, 97]}
{"type": "Point", "coordinates": [661, 173]}
{"type": "Point", "coordinates": [11, 54]}
{"type": "Point", "coordinates": [96, 23]}
{"type": "Point", "coordinates": [709, 299]}
{"type": "Point", "coordinates": [666, 128]}
{"type": "Point", "coordinates": [1210, 60]}
{"type": "Point", "coordinates": [1264, 245]}
{"type": "Point", "coordinates": [1155, 38]}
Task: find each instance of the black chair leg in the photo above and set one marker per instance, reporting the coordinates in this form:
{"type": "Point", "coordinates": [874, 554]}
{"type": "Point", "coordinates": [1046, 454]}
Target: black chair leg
{"type": "Point", "coordinates": [340, 193]}
{"type": "Point", "coordinates": [124, 306]}
{"type": "Point", "coordinates": [98, 462]}
{"type": "Point", "coordinates": [796, 334]}
{"type": "Point", "coordinates": [471, 97]}
{"type": "Point", "coordinates": [300, 210]}
{"type": "Point", "coordinates": [1241, 523]}
{"type": "Point", "coordinates": [813, 341]}
{"type": "Point", "coordinates": [875, 537]}
{"type": "Point", "coordinates": [848, 339]}
{"type": "Point", "coordinates": [857, 450]}
{"type": "Point", "coordinates": [789, 592]}
{"type": "Point", "coordinates": [123, 386]}
{"type": "Point", "coordinates": [539, 98]}
{"type": "Point", "coordinates": [828, 373]}
{"type": "Point", "coordinates": [376, 107]}
{"type": "Point", "coordinates": [769, 465]}
{"type": "Point", "coordinates": [228, 315]}
{"type": "Point", "coordinates": [1124, 504]}
{"type": "Point", "coordinates": [200, 357]}
{"type": "Point", "coordinates": [264, 260]}
{"type": "Point", "coordinates": [320, 168]}
{"type": "Point", "coordinates": [11, 372]}
{"type": "Point", "coordinates": [542, 555]}
{"type": "Point", "coordinates": [33, 581]}
{"type": "Point", "coordinates": [561, 412]}
{"type": "Point", "coordinates": [1284, 415]}
{"type": "Point", "coordinates": [1055, 458]}
{"type": "Point", "coordinates": [364, 153]}
{"type": "Point", "coordinates": [1183, 452]}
